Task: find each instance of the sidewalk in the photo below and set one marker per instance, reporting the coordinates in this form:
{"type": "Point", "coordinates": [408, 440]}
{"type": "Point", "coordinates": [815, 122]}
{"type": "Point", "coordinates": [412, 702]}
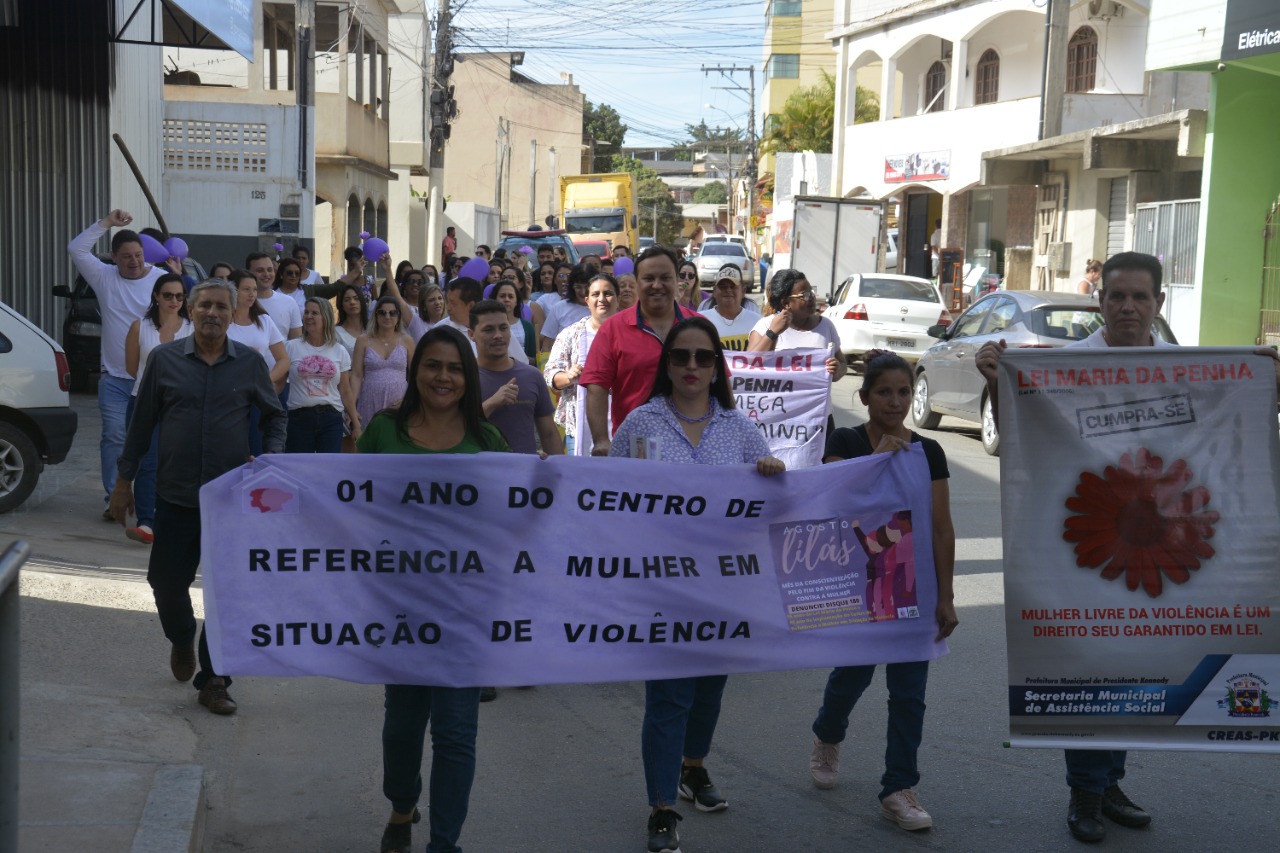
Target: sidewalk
{"type": "Point", "coordinates": [101, 769]}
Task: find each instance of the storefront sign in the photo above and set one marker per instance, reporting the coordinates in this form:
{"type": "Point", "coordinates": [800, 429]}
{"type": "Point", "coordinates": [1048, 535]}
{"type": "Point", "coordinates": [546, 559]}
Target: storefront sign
{"type": "Point", "coordinates": [922, 166]}
{"type": "Point", "coordinates": [1252, 28]}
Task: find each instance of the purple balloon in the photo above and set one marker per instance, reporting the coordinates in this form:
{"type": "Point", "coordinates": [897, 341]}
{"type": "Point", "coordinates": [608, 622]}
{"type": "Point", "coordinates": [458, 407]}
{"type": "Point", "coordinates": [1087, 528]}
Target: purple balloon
{"type": "Point", "coordinates": [526, 250]}
{"type": "Point", "coordinates": [176, 247]}
{"type": "Point", "coordinates": [488, 290]}
{"type": "Point", "coordinates": [624, 266]}
{"type": "Point", "coordinates": [279, 247]}
{"type": "Point", "coordinates": [375, 249]}
{"type": "Point", "coordinates": [477, 268]}
{"type": "Point", "coordinates": [364, 235]}
{"type": "Point", "coordinates": [152, 250]}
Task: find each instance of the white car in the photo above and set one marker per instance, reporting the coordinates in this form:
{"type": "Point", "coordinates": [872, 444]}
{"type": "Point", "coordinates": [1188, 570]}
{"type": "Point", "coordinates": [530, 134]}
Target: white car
{"type": "Point", "coordinates": [37, 423]}
{"type": "Point", "coordinates": [890, 312]}
{"type": "Point", "coordinates": [725, 253]}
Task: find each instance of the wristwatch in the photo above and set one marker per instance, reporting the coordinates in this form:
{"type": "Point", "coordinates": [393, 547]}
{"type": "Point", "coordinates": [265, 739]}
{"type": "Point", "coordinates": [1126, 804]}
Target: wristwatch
{"type": "Point", "coordinates": [771, 334]}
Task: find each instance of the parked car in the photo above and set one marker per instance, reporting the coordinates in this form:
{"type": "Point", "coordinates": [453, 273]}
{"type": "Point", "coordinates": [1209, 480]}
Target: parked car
{"type": "Point", "coordinates": [37, 423]}
{"type": "Point", "coordinates": [646, 242]}
{"type": "Point", "coordinates": [513, 240]}
{"type": "Point", "coordinates": [722, 253]}
{"type": "Point", "coordinates": [892, 312]}
{"type": "Point", "coordinates": [947, 381]}
{"type": "Point", "coordinates": [891, 250]}
{"type": "Point", "coordinates": [600, 248]}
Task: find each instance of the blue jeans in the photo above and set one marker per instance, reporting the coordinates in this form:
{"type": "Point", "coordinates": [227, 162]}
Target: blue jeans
{"type": "Point", "coordinates": [315, 429]}
{"type": "Point", "coordinates": [906, 683]}
{"type": "Point", "coordinates": [114, 395]}
{"type": "Point", "coordinates": [680, 716]}
{"type": "Point", "coordinates": [453, 713]}
{"type": "Point", "coordinates": [144, 482]}
{"type": "Point", "coordinates": [1094, 769]}
{"type": "Point", "coordinates": [175, 556]}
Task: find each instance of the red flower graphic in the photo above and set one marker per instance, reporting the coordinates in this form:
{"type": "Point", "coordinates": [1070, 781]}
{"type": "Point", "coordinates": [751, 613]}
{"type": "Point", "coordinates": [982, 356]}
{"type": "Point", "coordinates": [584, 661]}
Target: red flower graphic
{"type": "Point", "coordinates": [1140, 520]}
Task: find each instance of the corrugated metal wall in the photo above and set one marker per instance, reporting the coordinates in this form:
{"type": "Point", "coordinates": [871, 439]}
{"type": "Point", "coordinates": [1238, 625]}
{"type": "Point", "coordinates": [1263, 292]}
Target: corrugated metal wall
{"type": "Point", "coordinates": [55, 81]}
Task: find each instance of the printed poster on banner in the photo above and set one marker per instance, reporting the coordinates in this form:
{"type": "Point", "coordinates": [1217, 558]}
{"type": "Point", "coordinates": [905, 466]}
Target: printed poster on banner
{"type": "Point", "coordinates": [918, 166]}
{"type": "Point", "coordinates": [1142, 590]}
{"type": "Point", "coordinates": [787, 394]}
{"type": "Point", "coordinates": [504, 569]}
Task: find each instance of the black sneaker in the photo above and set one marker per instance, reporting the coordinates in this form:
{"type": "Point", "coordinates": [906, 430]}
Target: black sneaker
{"type": "Point", "coordinates": [488, 694]}
{"type": "Point", "coordinates": [1123, 810]}
{"type": "Point", "coordinates": [696, 785]}
{"type": "Point", "coordinates": [663, 837]}
{"type": "Point", "coordinates": [1084, 816]}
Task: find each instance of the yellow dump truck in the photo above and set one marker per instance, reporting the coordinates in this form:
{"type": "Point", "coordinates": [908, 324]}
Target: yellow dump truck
{"type": "Point", "coordinates": [600, 207]}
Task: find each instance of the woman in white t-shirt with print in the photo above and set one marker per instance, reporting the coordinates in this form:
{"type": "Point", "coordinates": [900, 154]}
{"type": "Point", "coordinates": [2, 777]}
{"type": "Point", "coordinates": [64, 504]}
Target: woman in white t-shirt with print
{"type": "Point", "coordinates": [730, 312]}
{"type": "Point", "coordinates": [796, 323]}
{"type": "Point", "coordinates": [319, 385]}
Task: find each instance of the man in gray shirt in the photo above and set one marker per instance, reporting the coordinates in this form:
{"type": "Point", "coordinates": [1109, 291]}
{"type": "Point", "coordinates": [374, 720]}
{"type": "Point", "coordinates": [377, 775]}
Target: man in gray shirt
{"type": "Point", "coordinates": [200, 391]}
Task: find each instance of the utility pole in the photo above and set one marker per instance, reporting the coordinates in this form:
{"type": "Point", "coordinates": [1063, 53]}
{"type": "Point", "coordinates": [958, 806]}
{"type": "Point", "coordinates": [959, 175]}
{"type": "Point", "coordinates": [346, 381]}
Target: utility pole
{"type": "Point", "coordinates": [1054, 74]}
{"type": "Point", "coordinates": [533, 180]}
{"type": "Point", "coordinates": [442, 109]}
{"type": "Point", "coordinates": [551, 182]}
{"type": "Point", "coordinates": [748, 173]}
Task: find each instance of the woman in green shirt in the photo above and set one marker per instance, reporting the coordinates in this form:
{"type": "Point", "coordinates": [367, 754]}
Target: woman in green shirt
{"type": "Point", "coordinates": [440, 413]}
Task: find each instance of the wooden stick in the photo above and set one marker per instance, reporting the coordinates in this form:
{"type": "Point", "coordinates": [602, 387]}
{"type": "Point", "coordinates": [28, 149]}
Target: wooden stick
{"type": "Point", "coordinates": [146, 191]}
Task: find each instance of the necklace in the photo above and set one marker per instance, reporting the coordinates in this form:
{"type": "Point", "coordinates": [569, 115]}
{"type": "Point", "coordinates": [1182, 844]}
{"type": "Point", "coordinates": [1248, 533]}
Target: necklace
{"type": "Point", "coordinates": [711, 410]}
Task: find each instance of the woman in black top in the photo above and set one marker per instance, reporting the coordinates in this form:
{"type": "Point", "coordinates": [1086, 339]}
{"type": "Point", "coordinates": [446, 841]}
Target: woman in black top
{"type": "Point", "coordinates": [886, 392]}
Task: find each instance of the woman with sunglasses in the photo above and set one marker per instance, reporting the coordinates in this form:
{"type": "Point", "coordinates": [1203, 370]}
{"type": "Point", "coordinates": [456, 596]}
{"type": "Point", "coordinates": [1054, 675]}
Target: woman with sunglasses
{"type": "Point", "coordinates": [166, 320]}
{"type": "Point", "coordinates": [690, 418]}
{"type": "Point", "coordinates": [796, 323]}
{"type": "Point", "coordinates": [379, 361]}
{"type": "Point", "coordinates": [441, 413]}
{"type": "Point", "coordinates": [569, 355]}
{"type": "Point", "coordinates": [690, 295]}
{"type": "Point", "coordinates": [410, 286]}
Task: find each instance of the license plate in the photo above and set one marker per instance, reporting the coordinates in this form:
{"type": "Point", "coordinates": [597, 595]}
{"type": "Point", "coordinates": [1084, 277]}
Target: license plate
{"type": "Point", "coordinates": [904, 343]}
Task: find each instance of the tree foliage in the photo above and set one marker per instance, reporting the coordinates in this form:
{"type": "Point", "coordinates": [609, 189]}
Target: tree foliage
{"type": "Point", "coordinates": [603, 124]}
{"type": "Point", "coordinates": [712, 193]}
{"type": "Point", "coordinates": [807, 121]}
{"type": "Point", "coordinates": [652, 197]}
{"type": "Point", "coordinates": [700, 137]}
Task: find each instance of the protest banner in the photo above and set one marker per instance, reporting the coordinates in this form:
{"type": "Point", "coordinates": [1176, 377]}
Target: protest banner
{"type": "Point", "coordinates": [1139, 491]}
{"type": "Point", "coordinates": [787, 394]}
{"type": "Point", "coordinates": [504, 569]}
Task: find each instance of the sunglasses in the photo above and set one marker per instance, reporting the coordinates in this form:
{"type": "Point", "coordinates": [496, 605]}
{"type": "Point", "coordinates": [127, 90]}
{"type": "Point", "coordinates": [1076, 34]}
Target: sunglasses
{"type": "Point", "coordinates": [700, 357]}
{"type": "Point", "coordinates": [414, 281]}
{"type": "Point", "coordinates": [807, 296]}
{"type": "Point", "coordinates": [387, 313]}
{"type": "Point", "coordinates": [172, 297]}
{"type": "Point", "coordinates": [291, 271]}
{"type": "Point", "coordinates": [688, 275]}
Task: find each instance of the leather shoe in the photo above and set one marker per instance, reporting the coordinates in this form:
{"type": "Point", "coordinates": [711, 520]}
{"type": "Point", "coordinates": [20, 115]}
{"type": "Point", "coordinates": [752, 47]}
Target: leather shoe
{"type": "Point", "coordinates": [1084, 816]}
{"type": "Point", "coordinates": [214, 696]}
{"type": "Point", "coordinates": [182, 662]}
{"type": "Point", "coordinates": [1123, 810]}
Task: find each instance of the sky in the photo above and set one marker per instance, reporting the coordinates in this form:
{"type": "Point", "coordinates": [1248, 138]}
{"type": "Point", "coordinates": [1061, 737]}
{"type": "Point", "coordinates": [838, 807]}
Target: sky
{"type": "Point", "coordinates": [641, 57]}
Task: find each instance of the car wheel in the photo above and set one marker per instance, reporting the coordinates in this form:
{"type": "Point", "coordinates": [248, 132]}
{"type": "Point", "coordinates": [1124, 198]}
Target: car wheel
{"type": "Point", "coordinates": [19, 467]}
{"type": "Point", "coordinates": [923, 416]}
{"type": "Point", "coordinates": [990, 434]}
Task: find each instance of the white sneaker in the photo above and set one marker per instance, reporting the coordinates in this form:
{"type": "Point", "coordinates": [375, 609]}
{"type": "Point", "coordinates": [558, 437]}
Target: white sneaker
{"type": "Point", "coordinates": [905, 810]}
{"type": "Point", "coordinates": [824, 764]}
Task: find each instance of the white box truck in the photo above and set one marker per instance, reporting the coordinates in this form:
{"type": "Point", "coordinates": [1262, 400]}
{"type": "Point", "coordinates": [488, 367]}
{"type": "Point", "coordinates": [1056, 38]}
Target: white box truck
{"type": "Point", "coordinates": [831, 239]}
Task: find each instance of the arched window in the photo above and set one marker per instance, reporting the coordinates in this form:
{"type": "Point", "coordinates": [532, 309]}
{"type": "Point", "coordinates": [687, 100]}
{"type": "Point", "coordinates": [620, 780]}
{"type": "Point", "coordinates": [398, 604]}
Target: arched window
{"type": "Point", "coordinates": [935, 81]}
{"type": "Point", "coordinates": [1082, 60]}
{"type": "Point", "coordinates": [986, 88]}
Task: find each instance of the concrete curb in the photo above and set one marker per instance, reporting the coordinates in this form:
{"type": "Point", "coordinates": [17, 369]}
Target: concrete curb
{"type": "Point", "coordinates": [173, 818]}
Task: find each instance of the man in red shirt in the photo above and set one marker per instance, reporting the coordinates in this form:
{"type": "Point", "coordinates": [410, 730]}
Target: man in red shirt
{"type": "Point", "coordinates": [448, 246]}
{"type": "Point", "coordinates": [625, 353]}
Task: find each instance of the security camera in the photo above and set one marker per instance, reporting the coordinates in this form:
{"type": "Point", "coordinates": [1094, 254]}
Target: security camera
{"type": "Point", "coordinates": [1222, 66]}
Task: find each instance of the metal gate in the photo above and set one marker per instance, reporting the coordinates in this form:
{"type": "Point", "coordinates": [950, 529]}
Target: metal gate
{"type": "Point", "coordinates": [1269, 315]}
{"type": "Point", "coordinates": [1168, 230]}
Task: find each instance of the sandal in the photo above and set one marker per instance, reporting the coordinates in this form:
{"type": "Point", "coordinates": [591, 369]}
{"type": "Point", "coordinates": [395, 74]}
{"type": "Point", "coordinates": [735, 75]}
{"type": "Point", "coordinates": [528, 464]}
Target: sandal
{"type": "Point", "coordinates": [398, 837]}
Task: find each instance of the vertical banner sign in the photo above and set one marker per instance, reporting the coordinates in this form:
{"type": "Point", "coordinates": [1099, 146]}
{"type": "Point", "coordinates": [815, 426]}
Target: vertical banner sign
{"type": "Point", "coordinates": [505, 569]}
{"type": "Point", "coordinates": [787, 394]}
{"type": "Point", "coordinates": [1141, 532]}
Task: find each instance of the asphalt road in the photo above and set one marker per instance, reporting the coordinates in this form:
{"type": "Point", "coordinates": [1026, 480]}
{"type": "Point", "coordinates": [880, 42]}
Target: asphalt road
{"type": "Point", "coordinates": [298, 768]}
